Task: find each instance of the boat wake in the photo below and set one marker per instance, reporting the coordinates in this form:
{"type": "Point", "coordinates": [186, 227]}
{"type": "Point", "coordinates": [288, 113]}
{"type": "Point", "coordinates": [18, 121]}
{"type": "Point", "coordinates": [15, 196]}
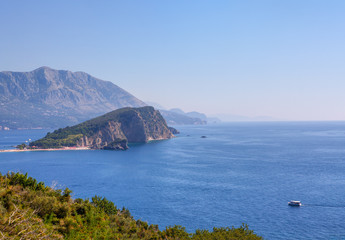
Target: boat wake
{"type": "Point", "coordinates": [320, 205]}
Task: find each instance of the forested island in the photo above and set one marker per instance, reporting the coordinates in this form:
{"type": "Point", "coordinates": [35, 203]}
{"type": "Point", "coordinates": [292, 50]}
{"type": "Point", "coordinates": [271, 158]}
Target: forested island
{"type": "Point", "coordinates": [32, 210]}
{"type": "Point", "coordinates": [111, 131]}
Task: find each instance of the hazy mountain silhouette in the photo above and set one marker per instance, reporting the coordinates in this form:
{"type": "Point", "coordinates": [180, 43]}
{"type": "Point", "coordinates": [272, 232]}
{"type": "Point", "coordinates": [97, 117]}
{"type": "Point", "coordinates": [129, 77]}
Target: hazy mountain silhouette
{"type": "Point", "coordinates": [55, 98]}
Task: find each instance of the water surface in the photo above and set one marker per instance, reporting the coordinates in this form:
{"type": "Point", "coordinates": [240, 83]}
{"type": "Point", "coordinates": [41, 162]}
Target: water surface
{"type": "Point", "coordinates": [240, 173]}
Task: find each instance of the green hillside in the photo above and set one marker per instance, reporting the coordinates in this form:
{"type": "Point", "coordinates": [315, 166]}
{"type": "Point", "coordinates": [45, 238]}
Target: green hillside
{"type": "Point", "coordinates": [68, 136]}
{"type": "Point", "coordinates": [130, 124]}
{"type": "Point", "coordinates": [31, 210]}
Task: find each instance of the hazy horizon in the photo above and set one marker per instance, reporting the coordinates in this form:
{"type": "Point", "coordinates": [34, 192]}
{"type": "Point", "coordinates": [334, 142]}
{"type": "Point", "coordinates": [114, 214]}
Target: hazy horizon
{"type": "Point", "coordinates": [282, 60]}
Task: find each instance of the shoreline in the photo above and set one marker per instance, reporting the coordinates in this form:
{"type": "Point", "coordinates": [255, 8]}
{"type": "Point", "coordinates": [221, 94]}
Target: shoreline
{"type": "Point", "coordinates": [46, 149]}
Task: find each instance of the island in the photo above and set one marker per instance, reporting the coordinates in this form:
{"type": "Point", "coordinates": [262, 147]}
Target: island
{"type": "Point", "coordinates": [111, 131]}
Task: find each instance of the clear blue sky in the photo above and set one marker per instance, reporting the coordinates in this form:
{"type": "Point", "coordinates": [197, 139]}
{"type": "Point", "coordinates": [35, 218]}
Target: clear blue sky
{"type": "Point", "coordinates": [283, 59]}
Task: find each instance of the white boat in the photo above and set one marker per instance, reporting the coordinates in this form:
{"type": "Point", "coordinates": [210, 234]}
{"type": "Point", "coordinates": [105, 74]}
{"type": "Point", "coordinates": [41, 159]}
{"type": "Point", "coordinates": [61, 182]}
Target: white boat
{"type": "Point", "coordinates": [295, 203]}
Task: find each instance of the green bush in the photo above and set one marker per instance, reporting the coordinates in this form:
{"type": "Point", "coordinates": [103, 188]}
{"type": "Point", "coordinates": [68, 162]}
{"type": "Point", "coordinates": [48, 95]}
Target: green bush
{"type": "Point", "coordinates": [42, 212]}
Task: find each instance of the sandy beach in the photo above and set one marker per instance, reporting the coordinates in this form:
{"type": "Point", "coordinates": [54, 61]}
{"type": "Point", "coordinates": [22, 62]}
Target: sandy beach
{"type": "Point", "coordinates": [47, 149]}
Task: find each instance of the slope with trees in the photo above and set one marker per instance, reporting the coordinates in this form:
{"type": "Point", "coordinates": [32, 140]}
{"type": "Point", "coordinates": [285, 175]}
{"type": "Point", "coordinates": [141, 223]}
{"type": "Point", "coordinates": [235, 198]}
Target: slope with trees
{"type": "Point", "coordinates": [31, 210]}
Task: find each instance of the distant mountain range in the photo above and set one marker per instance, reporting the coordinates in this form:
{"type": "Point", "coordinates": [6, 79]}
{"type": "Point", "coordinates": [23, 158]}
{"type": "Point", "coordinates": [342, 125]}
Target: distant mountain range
{"type": "Point", "coordinates": [174, 118]}
{"type": "Point", "coordinates": [177, 116]}
{"type": "Point", "coordinates": [51, 98]}
{"type": "Point", "coordinates": [240, 118]}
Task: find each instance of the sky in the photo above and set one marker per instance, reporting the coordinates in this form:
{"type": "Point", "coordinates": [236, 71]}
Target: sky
{"type": "Point", "coordinates": [282, 59]}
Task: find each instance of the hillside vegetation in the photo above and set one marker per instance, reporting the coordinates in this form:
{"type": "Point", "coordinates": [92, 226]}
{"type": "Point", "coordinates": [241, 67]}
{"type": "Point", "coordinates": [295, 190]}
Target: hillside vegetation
{"type": "Point", "coordinates": [31, 210]}
{"type": "Point", "coordinates": [109, 130]}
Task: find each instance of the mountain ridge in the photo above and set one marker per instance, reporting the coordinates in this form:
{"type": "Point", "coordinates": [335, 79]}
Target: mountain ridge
{"type": "Point", "coordinates": [46, 97]}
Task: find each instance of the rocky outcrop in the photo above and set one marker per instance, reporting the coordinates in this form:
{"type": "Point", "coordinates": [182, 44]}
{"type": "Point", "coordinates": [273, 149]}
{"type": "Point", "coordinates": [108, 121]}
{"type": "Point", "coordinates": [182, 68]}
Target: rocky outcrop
{"type": "Point", "coordinates": [174, 131]}
{"type": "Point", "coordinates": [113, 130]}
{"type": "Point", "coordinates": [111, 137]}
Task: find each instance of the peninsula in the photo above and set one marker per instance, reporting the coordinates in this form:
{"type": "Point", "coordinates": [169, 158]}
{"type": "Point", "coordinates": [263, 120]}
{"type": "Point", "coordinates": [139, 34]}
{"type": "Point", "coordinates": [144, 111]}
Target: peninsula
{"type": "Point", "coordinates": [111, 131]}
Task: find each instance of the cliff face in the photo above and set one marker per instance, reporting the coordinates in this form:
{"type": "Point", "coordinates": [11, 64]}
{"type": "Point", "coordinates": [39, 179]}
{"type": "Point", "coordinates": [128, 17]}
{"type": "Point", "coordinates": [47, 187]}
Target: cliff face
{"type": "Point", "coordinates": [107, 136]}
{"type": "Point", "coordinates": [113, 130]}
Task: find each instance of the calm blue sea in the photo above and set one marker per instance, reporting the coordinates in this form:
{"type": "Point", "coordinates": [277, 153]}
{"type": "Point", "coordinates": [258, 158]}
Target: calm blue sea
{"type": "Point", "coordinates": [240, 173]}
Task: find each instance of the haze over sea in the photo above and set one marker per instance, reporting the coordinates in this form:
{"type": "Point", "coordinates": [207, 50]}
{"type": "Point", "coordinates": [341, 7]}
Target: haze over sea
{"type": "Point", "coordinates": [240, 173]}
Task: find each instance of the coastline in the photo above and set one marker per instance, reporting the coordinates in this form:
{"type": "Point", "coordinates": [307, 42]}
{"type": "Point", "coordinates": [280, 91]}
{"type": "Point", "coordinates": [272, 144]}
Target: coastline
{"type": "Point", "coordinates": [46, 149]}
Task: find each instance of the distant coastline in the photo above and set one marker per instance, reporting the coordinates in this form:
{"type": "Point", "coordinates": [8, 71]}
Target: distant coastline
{"type": "Point", "coordinates": [46, 149]}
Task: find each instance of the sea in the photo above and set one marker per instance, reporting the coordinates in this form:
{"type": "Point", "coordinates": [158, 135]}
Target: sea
{"type": "Point", "coordinates": [239, 173]}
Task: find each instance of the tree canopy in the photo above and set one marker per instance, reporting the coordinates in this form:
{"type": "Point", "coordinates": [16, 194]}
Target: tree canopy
{"type": "Point", "coordinates": [31, 210]}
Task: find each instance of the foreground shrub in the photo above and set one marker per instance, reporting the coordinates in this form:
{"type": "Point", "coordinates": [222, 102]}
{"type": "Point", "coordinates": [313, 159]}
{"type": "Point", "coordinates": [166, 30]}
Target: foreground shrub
{"type": "Point", "coordinates": [31, 210]}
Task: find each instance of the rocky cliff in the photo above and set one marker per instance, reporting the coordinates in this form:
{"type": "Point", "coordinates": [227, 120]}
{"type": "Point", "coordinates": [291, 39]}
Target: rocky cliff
{"type": "Point", "coordinates": [113, 130]}
{"type": "Point", "coordinates": [56, 98]}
